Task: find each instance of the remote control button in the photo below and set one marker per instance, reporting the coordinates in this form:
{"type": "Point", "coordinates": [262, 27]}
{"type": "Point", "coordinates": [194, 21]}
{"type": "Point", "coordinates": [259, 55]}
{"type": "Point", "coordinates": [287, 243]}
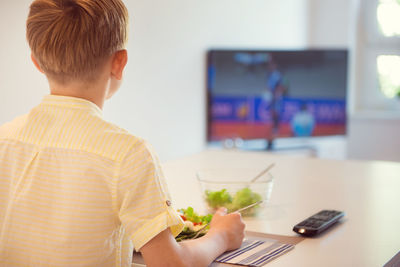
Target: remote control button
{"type": "Point", "coordinates": [318, 224]}
{"type": "Point", "coordinates": [302, 223]}
{"type": "Point", "coordinates": [322, 217]}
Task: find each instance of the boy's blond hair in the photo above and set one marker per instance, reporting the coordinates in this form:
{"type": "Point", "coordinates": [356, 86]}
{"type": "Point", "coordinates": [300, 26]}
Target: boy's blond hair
{"type": "Point", "coordinates": [70, 39]}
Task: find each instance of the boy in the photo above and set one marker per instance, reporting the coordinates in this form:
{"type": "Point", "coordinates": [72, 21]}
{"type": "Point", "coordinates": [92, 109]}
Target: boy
{"type": "Point", "coordinates": [76, 190]}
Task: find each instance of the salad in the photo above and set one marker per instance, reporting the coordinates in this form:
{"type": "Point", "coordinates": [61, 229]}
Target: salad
{"type": "Point", "coordinates": [193, 223]}
{"type": "Point", "coordinates": [240, 199]}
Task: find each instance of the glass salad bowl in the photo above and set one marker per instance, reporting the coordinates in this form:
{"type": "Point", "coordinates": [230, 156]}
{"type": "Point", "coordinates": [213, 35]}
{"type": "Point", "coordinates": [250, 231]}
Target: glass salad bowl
{"type": "Point", "coordinates": [232, 189]}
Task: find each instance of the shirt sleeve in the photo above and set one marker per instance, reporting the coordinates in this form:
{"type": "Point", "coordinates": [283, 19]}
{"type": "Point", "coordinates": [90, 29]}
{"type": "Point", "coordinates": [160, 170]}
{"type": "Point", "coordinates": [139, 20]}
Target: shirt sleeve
{"type": "Point", "coordinates": [145, 208]}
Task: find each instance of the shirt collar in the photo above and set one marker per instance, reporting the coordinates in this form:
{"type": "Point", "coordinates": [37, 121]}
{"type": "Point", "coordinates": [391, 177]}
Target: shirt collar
{"type": "Point", "coordinates": [71, 102]}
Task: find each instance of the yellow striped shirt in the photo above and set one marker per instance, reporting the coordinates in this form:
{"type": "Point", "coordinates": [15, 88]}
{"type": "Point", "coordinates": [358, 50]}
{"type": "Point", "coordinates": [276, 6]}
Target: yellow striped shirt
{"type": "Point", "coordinates": [76, 190]}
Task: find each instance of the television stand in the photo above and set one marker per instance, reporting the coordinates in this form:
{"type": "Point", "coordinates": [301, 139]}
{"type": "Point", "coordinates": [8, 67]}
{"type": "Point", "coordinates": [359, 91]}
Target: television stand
{"type": "Point", "coordinates": [332, 147]}
{"type": "Point", "coordinates": [305, 149]}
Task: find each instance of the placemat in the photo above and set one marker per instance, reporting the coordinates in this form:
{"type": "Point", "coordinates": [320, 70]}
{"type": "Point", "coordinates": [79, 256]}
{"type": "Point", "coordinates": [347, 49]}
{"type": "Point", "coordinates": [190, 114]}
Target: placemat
{"type": "Point", "coordinates": [289, 241]}
{"type": "Point", "coordinates": [270, 247]}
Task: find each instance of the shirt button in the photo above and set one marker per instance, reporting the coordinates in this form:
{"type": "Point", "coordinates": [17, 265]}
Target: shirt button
{"type": "Point", "coordinates": [168, 202]}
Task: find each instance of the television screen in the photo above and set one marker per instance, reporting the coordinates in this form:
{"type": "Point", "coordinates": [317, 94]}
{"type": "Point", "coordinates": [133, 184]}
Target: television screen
{"type": "Point", "coordinates": [272, 94]}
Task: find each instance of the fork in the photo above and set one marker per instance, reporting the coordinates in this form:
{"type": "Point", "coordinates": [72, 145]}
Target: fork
{"type": "Point", "coordinates": [198, 232]}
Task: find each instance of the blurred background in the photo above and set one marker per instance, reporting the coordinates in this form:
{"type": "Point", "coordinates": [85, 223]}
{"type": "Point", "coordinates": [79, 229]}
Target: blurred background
{"type": "Point", "coordinates": [163, 97]}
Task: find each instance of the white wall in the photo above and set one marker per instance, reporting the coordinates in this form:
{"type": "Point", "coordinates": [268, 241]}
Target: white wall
{"type": "Point", "coordinates": [163, 96]}
{"type": "Point", "coordinates": [375, 119]}
{"type": "Point", "coordinates": [374, 138]}
{"type": "Point", "coordinates": [21, 86]}
{"type": "Point", "coordinates": [372, 135]}
{"type": "Point", "coordinates": [328, 23]}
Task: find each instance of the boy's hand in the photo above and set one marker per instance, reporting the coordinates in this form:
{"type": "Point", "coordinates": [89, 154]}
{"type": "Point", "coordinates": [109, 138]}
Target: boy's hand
{"type": "Point", "coordinates": [226, 233]}
{"type": "Point", "coordinates": [230, 226]}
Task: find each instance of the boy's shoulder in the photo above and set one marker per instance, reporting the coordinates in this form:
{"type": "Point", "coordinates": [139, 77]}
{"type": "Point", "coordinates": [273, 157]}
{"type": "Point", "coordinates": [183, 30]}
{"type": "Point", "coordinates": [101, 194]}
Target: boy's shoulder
{"type": "Point", "coordinates": [11, 128]}
{"type": "Point", "coordinates": [92, 134]}
{"type": "Point", "coordinates": [112, 141]}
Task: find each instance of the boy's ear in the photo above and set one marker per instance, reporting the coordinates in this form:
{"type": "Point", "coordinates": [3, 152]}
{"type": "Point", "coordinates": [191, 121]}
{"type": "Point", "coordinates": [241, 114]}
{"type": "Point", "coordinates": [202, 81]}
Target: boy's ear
{"type": "Point", "coordinates": [118, 64]}
{"type": "Point", "coordinates": [36, 63]}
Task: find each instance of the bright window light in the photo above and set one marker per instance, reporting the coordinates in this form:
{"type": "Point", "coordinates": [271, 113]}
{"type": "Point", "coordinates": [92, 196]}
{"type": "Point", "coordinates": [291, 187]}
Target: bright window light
{"type": "Point", "coordinates": [389, 75]}
{"type": "Point", "coordinates": [388, 15]}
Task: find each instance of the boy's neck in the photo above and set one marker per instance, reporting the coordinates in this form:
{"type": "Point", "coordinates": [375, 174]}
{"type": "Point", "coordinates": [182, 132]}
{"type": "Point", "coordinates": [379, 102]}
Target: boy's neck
{"type": "Point", "coordinates": [95, 93]}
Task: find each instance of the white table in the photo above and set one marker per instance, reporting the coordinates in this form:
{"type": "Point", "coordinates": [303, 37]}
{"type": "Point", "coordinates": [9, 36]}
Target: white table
{"type": "Point", "coordinates": [368, 191]}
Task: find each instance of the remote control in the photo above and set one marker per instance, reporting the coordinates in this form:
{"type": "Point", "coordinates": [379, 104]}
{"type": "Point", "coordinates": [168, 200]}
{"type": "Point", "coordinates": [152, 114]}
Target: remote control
{"type": "Point", "coordinates": [318, 222]}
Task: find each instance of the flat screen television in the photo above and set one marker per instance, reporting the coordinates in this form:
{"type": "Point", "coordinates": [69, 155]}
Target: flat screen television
{"type": "Point", "coordinates": [269, 94]}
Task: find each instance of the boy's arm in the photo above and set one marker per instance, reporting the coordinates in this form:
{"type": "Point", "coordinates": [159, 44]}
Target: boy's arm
{"type": "Point", "coordinates": [226, 233]}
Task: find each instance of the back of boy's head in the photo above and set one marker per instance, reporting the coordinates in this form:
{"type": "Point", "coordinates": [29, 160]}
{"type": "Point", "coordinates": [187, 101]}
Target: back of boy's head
{"type": "Point", "coordinates": [70, 39]}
